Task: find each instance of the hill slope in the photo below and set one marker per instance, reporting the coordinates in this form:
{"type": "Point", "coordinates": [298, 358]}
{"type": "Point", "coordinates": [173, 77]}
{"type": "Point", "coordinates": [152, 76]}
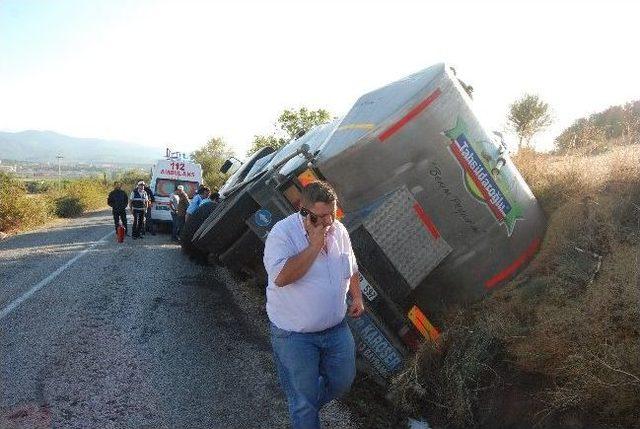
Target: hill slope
{"type": "Point", "coordinates": [43, 146]}
{"type": "Point", "coordinates": [560, 346]}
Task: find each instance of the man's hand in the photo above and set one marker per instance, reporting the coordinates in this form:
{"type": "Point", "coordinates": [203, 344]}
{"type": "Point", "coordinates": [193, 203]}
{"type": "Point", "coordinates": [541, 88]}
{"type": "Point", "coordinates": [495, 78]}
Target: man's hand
{"type": "Point", "coordinates": [316, 232]}
{"type": "Point", "coordinates": [356, 308]}
{"type": "Point", "coordinates": [297, 266]}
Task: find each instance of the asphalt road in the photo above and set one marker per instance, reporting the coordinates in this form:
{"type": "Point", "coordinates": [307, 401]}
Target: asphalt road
{"type": "Point", "coordinates": [96, 334]}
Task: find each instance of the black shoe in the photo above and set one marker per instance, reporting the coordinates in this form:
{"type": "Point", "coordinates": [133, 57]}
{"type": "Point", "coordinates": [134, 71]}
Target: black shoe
{"type": "Point", "coordinates": [134, 237]}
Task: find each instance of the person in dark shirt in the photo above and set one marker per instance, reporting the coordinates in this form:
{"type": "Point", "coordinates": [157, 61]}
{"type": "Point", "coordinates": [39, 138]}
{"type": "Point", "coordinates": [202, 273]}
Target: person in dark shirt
{"type": "Point", "coordinates": [149, 226]}
{"type": "Point", "coordinates": [118, 201]}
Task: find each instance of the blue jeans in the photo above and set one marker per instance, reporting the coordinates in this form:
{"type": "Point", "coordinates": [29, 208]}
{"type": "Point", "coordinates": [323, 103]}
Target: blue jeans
{"type": "Point", "coordinates": [313, 368]}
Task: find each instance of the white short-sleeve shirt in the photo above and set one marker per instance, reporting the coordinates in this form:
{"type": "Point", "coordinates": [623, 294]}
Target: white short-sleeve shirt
{"type": "Point", "coordinates": [317, 301]}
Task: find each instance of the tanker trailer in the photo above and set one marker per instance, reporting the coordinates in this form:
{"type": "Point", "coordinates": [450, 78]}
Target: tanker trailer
{"type": "Point", "coordinates": [437, 212]}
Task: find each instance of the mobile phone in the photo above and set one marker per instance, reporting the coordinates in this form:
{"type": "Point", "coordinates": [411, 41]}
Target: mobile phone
{"type": "Point", "coordinates": [312, 216]}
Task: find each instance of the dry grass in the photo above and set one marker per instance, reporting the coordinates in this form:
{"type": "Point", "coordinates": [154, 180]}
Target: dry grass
{"type": "Point", "coordinates": [564, 335]}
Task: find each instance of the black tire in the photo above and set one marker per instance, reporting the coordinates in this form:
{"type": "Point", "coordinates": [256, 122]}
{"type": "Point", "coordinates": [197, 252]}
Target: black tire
{"type": "Point", "coordinates": [191, 226]}
{"type": "Point", "coordinates": [227, 225]}
{"type": "Point", "coordinates": [244, 257]}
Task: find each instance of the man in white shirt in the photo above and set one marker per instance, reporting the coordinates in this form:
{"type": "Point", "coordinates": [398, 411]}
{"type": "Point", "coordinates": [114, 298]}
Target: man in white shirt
{"type": "Point", "coordinates": [311, 267]}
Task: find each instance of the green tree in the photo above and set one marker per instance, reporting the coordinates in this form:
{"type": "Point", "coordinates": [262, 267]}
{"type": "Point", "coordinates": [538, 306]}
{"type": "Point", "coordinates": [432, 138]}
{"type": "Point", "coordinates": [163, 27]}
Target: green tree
{"type": "Point", "coordinates": [528, 116]}
{"type": "Point", "coordinates": [211, 156]}
{"type": "Point", "coordinates": [289, 125]}
{"type": "Point", "coordinates": [129, 178]}
{"type": "Point", "coordinates": [260, 141]}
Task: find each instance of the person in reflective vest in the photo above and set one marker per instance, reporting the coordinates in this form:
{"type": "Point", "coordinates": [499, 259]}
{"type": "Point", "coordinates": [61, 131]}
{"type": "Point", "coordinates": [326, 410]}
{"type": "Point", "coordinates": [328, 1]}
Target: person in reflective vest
{"type": "Point", "coordinates": [138, 204]}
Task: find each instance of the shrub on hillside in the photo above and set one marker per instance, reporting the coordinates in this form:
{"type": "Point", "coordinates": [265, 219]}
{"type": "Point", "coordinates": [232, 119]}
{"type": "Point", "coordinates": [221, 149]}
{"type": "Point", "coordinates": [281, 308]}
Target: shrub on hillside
{"type": "Point", "coordinates": [79, 196]}
{"type": "Point", "coordinates": [615, 125]}
{"type": "Point", "coordinates": [17, 209]}
{"type": "Point", "coordinates": [39, 186]}
{"type": "Point", "coordinates": [69, 206]}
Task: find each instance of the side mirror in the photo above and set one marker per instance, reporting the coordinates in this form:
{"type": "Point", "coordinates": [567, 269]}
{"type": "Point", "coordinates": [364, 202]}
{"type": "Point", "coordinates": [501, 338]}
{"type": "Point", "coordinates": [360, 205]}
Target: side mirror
{"type": "Point", "coordinates": [230, 166]}
{"type": "Point", "coordinates": [226, 166]}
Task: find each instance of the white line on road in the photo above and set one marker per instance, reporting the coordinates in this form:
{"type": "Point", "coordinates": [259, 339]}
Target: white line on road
{"type": "Point", "coordinates": [16, 302]}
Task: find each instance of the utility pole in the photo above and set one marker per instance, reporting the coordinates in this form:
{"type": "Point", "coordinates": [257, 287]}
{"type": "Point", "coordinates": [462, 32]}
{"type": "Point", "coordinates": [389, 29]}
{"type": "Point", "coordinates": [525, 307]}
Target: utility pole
{"type": "Point", "coordinates": [59, 173]}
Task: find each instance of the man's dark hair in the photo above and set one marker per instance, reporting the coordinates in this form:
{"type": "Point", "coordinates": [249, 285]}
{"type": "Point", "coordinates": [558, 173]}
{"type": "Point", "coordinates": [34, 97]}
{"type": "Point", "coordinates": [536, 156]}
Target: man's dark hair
{"type": "Point", "coordinates": [204, 190]}
{"type": "Point", "coordinates": [319, 192]}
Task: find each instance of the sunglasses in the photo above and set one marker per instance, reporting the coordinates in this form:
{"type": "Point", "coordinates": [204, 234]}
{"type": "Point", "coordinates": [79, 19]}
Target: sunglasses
{"type": "Point", "coordinates": [312, 216]}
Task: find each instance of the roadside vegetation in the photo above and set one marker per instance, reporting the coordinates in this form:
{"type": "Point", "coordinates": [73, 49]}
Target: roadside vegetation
{"type": "Point", "coordinates": [560, 345]}
{"type": "Point", "coordinates": [28, 204]}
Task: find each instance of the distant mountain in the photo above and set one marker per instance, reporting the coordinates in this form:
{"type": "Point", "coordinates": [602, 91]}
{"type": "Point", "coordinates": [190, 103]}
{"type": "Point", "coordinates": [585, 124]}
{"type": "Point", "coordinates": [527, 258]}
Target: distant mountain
{"type": "Point", "coordinates": [43, 146]}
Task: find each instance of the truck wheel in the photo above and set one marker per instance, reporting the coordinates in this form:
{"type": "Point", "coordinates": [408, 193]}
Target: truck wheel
{"type": "Point", "coordinates": [191, 226]}
{"type": "Point", "coordinates": [244, 257]}
{"type": "Point", "coordinates": [226, 225]}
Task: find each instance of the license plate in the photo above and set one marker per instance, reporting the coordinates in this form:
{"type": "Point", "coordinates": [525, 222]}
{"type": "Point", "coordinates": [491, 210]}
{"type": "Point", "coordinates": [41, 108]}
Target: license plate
{"type": "Point", "coordinates": [374, 346]}
{"type": "Point", "coordinates": [367, 289]}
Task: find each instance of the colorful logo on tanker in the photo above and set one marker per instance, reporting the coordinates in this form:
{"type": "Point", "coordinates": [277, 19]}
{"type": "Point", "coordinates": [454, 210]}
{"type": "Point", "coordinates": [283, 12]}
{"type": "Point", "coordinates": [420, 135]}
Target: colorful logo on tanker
{"type": "Point", "coordinates": [478, 179]}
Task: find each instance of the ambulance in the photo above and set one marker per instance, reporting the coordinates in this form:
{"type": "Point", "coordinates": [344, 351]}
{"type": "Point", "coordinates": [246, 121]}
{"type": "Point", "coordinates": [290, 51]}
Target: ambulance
{"type": "Point", "coordinates": [175, 169]}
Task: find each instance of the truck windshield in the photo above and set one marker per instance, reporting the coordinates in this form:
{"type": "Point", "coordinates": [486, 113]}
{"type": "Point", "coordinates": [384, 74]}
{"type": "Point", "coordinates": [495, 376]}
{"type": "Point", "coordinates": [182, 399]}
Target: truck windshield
{"type": "Point", "coordinates": [166, 187]}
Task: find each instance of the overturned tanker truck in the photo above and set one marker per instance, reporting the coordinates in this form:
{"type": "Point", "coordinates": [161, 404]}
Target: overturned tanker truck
{"type": "Point", "coordinates": [437, 213]}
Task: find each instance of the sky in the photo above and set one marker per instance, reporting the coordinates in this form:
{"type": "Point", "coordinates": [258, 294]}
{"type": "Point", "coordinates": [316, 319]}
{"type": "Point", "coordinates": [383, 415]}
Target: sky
{"type": "Point", "coordinates": [176, 73]}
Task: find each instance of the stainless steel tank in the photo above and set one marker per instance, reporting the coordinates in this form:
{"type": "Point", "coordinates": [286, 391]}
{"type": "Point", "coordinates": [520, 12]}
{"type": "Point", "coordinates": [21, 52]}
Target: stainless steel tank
{"type": "Point", "coordinates": [421, 179]}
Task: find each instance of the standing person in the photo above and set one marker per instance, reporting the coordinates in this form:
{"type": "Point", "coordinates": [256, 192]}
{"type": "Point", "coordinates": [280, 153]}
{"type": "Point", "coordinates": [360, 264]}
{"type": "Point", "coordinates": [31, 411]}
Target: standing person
{"type": "Point", "coordinates": [311, 268]}
{"type": "Point", "coordinates": [174, 201]}
{"type": "Point", "coordinates": [148, 222]}
{"type": "Point", "coordinates": [118, 202]}
{"type": "Point", "coordinates": [202, 194]}
{"type": "Point", "coordinates": [138, 203]}
{"type": "Point", "coordinates": [183, 203]}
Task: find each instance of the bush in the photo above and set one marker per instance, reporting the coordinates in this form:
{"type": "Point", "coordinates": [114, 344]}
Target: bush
{"type": "Point", "coordinates": [79, 196]}
{"type": "Point", "coordinates": [69, 206]}
{"type": "Point", "coordinates": [21, 211]}
{"type": "Point", "coordinates": [17, 209]}
{"type": "Point", "coordinates": [38, 186]}
{"type": "Point", "coordinates": [615, 125]}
